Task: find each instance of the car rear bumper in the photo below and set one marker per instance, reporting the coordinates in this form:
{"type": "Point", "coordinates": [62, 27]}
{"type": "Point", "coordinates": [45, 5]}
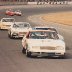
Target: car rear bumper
{"type": "Point", "coordinates": [18, 35]}
{"type": "Point", "coordinates": [4, 27]}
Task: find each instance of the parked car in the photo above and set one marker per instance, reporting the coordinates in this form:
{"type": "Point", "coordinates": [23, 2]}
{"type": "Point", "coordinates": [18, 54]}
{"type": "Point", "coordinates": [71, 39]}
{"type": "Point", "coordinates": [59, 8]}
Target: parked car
{"type": "Point", "coordinates": [18, 13]}
{"type": "Point", "coordinates": [10, 12]}
{"type": "Point", "coordinates": [5, 23]}
{"type": "Point", "coordinates": [18, 29]}
{"type": "Point", "coordinates": [40, 42]}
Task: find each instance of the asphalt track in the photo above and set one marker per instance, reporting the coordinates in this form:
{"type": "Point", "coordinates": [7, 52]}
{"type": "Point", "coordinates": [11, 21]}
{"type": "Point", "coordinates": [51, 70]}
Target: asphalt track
{"type": "Point", "coordinates": [13, 60]}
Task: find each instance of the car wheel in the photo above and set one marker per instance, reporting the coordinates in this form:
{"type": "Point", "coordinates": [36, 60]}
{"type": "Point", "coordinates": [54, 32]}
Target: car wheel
{"type": "Point", "coordinates": [28, 54]}
{"type": "Point", "coordinates": [62, 57]}
{"type": "Point", "coordinates": [10, 36]}
{"type": "Point", "coordinates": [24, 50]}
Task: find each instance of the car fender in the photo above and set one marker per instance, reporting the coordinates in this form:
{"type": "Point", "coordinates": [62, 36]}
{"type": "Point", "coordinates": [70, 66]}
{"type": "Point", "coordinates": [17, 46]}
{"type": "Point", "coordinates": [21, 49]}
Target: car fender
{"type": "Point", "coordinates": [24, 43]}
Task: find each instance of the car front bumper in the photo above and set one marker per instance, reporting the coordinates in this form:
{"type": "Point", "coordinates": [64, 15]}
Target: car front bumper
{"type": "Point", "coordinates": [49, 52]}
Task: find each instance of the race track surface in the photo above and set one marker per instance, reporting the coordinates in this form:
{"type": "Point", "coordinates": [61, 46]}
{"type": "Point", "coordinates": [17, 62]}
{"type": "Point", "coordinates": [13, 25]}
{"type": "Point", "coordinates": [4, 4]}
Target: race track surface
{"type": "Point", "coordinates": [13, 60]}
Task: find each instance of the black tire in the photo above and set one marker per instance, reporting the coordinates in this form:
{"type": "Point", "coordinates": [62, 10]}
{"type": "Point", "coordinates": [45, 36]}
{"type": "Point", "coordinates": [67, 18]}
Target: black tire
{"type": "Point", "coordinates": [28, 54]}
{"type": "Point", "coordinates": [24, 50]}
{"type": "Point", "coordinates": [10, 36]}
{"type": "Point", "coordinates": [62, 57]}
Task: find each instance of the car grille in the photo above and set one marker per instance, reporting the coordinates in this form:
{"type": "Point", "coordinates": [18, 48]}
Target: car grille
{"type": "Point", "coordinates": [47, 48]}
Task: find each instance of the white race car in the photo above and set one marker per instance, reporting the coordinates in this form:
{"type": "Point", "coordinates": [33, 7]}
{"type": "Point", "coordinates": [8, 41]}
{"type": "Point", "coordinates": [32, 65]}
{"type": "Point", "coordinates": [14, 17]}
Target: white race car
{"type": "Point", "coordinates": [18, 29]}
{"type": "Point", "coordinates": [43, 42]}
{"type": "Point", "coordinates": [5, 23]}
{"type": "Point", "coordinates": [18, 13]}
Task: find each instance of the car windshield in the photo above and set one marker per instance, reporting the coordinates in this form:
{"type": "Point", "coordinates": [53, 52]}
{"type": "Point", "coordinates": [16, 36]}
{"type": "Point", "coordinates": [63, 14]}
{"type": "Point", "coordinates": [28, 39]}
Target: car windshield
{"type": "Point", "coordinates": [43, 35]}
{"type": "Point", "coordinates": [53, 29]}
{"type": "Point", "coordinates": [8, 20]}
{"type": "Point", "coordinates": [21, 25]}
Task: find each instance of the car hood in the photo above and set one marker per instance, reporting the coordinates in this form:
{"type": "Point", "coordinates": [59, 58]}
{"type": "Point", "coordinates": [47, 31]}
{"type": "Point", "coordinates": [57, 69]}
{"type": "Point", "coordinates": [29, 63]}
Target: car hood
{"type": "Point", "coordinates": [45, 42]}
{"type": "Point", "coordinates": [20, 30]}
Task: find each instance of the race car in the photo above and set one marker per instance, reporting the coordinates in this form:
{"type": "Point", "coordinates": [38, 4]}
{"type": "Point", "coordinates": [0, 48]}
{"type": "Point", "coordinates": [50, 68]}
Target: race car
{"type": "Point", "coordinates": [43, 43]}
{"type": "Point", "coordinates": [18, 13]}
{"type": "Point", "coordinates": [10, 12]}
{"type": "Point", "coordinates": [18, 29]}
{"type": "Point", "coordinates": [5, 23]}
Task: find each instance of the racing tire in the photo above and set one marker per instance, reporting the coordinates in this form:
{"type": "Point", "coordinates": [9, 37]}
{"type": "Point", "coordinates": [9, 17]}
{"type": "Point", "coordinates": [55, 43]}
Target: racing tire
{"type": "Point", "coordinates": [18, 15]}
{"type": "Point", "coordinates": [28, 54]}
{"type": "Point", "coordinates": [62, 56]}
{"type": "Point", "coordinates": [24, 50]}
{"type": "Point", "coordinates": [10, 36]}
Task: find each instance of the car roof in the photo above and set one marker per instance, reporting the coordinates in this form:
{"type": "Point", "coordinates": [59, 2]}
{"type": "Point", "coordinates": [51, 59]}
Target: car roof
{"type": "Point", "coordinates": [41, 31]}
{"type": "Point", "coordinates": [21, 22]}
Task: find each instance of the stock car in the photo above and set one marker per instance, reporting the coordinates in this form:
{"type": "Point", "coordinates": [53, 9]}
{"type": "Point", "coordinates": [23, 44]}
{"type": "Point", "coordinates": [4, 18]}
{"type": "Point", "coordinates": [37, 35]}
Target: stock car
{"type": "Point", "coordinates": [5, 23]}
{"type": "Point", "coordinates": [18, 29]}
{"type": "Point", "coordinates": [18, 13]}
{"type": "Point", "coordinates": [43, 42]}
{"type": "Point", "coordinates": [48, 28]}
{"type": "Point", "coordinates": [10, 12]}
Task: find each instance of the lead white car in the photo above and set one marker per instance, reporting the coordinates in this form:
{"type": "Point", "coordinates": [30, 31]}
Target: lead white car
{"type": "Point", "coordinates": [41, 42]}
{"type": "Point", "coordinates": [18, 29]}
